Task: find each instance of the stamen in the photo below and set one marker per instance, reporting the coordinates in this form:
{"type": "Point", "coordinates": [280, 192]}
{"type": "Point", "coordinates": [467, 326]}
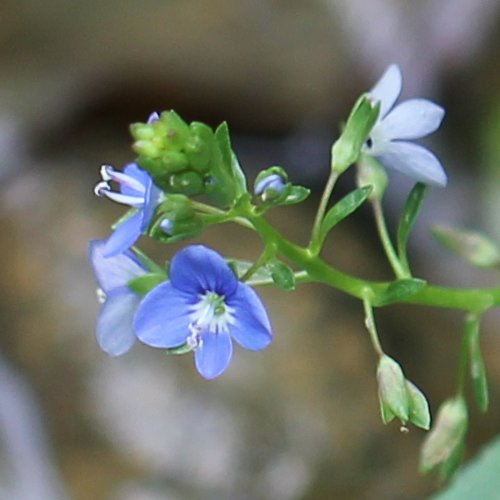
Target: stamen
{"type": "Point", "coordinates": [108, 173]}
{"type": "Point", "coordinates": [101, 296]}
{"type": "Point", "coordinates": [101, 188]}
{"type": "Point", "coordinates": [133, 201]}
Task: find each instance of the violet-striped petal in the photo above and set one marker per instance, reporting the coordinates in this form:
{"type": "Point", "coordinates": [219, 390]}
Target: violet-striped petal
{"type": "Point", "coordinates": [116, 271]}
{"type": "Point", "coordinates": [412, 119]}
{"type": "Point", "coordinates": [198, 269]}
{"type": "Point", "coordinates": [415, 161]}
{"type": "Point", "coordinates": [114, 329]}
{"type": "Point", "coordinates": [387, 89]}
{"type": "Point", "coordinates": [251, 327]}
{"type": "Point", "coordinates": [163, 317]}
{"type": "Point", "coordinates": [124, 236]}
{"type": "Point", "coordinates": [212, 357]}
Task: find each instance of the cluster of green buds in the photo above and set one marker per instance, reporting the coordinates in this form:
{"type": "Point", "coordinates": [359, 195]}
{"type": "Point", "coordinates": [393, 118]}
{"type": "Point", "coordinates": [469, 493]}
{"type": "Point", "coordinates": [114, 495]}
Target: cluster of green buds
{"type": "Point", "coordinates": [177, 155]}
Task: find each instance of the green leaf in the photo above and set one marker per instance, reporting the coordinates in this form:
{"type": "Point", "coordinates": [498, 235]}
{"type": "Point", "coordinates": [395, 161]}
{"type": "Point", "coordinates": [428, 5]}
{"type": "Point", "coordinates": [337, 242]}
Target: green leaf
{"type": "Point", "coordinates": [148, 262]}
{"type": "Point", "coordinates": [281, 274]}
{"type": "Point", "coordinates": [345, 207]}
{"type": "Point", "coordinates": [296, 194]}
{"type": "Point", "coordinates": [408, 217]}
{"type": "Point", "coordinates": [229, 160]}
{"type": "Point", "coordinates": [402, 289]}
{"type": "Point", "coordinates": [182, 349]}
{"type": "Point", "coordinates": [474, 247]}
{"type": "Point", "coordinates": [480, 479]}
{"type": "Point", "coordinates": [476, 363]}
{"type": "Point", "coordinates": [143, 284]}
{"type": "Point", "coordinates": [240, 267]}
{"type": "Point", "coordinates": [419, 407]}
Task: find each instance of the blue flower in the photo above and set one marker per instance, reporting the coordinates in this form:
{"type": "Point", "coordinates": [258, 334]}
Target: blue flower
{"type": "Point", "coordinates": [204, 305]}
{"type": "Point", "coordinates": [136, 190]}
{"type": "Point", "coordinates": [114, 329]}
{"type": "Point", "coordinates": [412, 119]}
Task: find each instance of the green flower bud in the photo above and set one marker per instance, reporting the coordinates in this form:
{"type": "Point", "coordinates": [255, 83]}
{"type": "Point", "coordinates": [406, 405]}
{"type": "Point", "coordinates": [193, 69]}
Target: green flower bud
{"type": "Point", "coordinates": [347, 148]}
{"type": "Point", "coordinates": [371, 173]}
{"type": "Point", "coordinates": [199, 153]}
{"type": "Point", "coordinates": [392, 391]}
{"type": "Point", "coordinates": [272, 184]}
{"type": "Point", "coordinates": [188, 183]}
{"type": "Point", "coordinates": [174, 162]}
{"type": "Point", "coordinates": [172, 129]}
{"type": "Point", "coordinates": [443, 445]}
{"type": "Point", "coordinates": [142, 131]}
{"type": "Point", "coordinates": [146, 148]}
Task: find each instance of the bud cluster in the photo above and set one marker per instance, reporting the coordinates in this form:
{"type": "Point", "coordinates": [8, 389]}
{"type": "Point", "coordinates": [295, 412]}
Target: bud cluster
{"type": "Point", "coordinates": [177, 155]}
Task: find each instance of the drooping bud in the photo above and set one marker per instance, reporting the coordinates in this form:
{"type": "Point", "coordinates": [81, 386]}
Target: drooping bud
{"type": "Point", "coordinates": [444, 444]}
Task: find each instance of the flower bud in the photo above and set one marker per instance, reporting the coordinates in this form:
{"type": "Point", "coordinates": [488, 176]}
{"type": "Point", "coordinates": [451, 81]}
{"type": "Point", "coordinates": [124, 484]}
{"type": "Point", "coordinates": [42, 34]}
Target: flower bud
{"type": "Point", "coordinates": [188, 183]}
{"type": "Point", "coordinates": [371, 173]}
{"type": "Point", "coordinates": [272, 184]}
{"type": "Point", "coordinates": [392, 391]}
{"type": "Point", "coordinates": [443, 445]}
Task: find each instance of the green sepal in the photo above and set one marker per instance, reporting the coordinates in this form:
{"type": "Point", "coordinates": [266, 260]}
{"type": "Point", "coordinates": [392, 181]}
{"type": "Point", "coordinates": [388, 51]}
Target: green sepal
{"type": "Point", "coordinates": [148, 262]}
{"type": "Point", "coordinates": [476, 363]}
{"type": "Point", "coordinates": [402, 289]}
{"type": "Point", "coordinates": [371, 173]}
{"type": "Point", "coordinates": [420, 415]}
{"type": "Point", "coordinates": [182, 349]}
{"type": "Point", "coordinates": [392, 391]}
{"type": "Point", "coordinates": [342, 209]}
{"type": "Point", "coordinates": [296, 194]}
{"type": "Point", "coordinates": [474, 247]}
{"type": "Point", "coordinates": [127, 215]}
{"type": "Point", "coordinates": [281, 274]}
{"type": "Point", "coordinates": [143, 284]}
{"type": "Point", "coordinates": [408, 217]}
{"type": "Point", "coordinates": [347, 148]}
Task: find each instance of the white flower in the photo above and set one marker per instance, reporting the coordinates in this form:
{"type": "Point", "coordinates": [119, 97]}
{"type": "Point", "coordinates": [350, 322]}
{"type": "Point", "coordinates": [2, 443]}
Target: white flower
{"type": "Point", "coordinates": [411, 119]}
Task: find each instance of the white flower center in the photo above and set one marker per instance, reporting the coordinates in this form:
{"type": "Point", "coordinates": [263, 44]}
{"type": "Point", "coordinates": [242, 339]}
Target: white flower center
{"type": "Point", "coordinates": [210, 315]}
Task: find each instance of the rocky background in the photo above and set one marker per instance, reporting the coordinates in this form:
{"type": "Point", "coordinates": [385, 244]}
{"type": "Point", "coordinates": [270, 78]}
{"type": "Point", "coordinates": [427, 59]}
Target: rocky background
{"type": "Point", "coordinates": [300, 420]}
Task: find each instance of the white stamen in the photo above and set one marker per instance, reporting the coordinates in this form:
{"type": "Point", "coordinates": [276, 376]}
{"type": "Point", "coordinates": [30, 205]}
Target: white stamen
{"type": "Point", "coordinates": [101, 296]}
{"type": "Point", "coordinates": [211, 314]}
{"type": "Point", "coordinates": [108, 173]}
{"type": "Point", "coordinates": [133, 201]}
{"type": "Point", "coordinates": [101, 188]}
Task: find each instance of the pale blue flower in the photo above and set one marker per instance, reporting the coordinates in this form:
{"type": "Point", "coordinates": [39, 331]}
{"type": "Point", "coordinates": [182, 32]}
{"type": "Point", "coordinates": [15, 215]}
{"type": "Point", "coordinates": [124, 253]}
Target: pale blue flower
{"type": "Point", "coordinates": [273, 183]}
{"type": "Point", "coordinates": [137, 190]}
{"type": "Point", "coordinates": [412, 119]}
{"type": "Point", "coordinates": [114, 329]}
{"type": "Point", "coordinates": [204, 305]}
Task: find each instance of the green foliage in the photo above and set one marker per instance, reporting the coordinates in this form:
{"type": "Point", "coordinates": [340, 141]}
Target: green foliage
{"type": "Point", "coordinates": [402, 289]}
{"type": "Point", "coordinates": [281, 274]}
{"type": "Point", "coordinates": [479, 479]}
{"type": "Point", "coordinates": [143, 284]}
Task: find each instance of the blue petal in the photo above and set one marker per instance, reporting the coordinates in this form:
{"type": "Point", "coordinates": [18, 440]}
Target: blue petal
{"type": "Point", "coordinates": [138, 174]}
{"type": "Point", "coordinates": [114, 324]}
{"type": "Point", "coordinates": [151, 200]}
{"type": "Point", "coordinates": [415, 161]}
{"type": "Point", "coordinates": [124, 236]}
{"type": "Point", "coordinates": [274, 182]}
{"type": "Point", "coordinates": [197, 269]}
{"type": "Point", "coordinates": [412, 119]}
{"type": "Point", "coordinates": [387, 89]}
{"type": "Point", "coordinates": [251, 328]}
{"type": "Point", "coordinates": [214, 354]}
{"type": "Point", "coordinates": [116, 271]}
{"type": "Point", "coordinates": [163, 317]}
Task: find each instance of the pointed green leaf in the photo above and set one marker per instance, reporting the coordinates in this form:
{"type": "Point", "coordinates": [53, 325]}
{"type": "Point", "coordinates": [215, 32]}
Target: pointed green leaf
{"type": "Point", "coordinates": [474, 247]}
{"type": "Point", "coordinates": [476, 363]}
{"type": "Point", "coordinates": [408, 217]}
{"type": "Point", "coordinates": [402, 289]}
{"type": "Point", "coordinates": [345, 207]}
{"type": "Point", "coordinates": [230, 161]}
{"type": "Point", "coordinates": [143, 284]}
{"type": "Point", "coordinates": [281, 274]}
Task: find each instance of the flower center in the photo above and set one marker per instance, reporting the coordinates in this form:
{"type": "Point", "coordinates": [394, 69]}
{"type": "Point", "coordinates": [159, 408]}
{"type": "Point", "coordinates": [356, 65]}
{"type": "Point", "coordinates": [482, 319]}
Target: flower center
{"type": "Point", "coordinates": [209, 315]}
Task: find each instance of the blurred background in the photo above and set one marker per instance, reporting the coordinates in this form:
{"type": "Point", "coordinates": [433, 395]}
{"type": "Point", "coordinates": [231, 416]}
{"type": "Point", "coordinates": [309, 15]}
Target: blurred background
{"type": "Point", "coordinates": [301, 419]}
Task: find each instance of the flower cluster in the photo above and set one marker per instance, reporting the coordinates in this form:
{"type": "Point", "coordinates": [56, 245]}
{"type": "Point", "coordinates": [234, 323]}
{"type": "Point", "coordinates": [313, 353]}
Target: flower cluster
{"type": "Point", "coordinates": [202, 304]}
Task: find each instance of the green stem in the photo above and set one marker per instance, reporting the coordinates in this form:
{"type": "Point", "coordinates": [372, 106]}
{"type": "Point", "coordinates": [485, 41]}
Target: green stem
{"type": "Point", "coordinates": [320, 214]}
{"type": "Point", "coordinates": [268, 252]}
{"type": "Point", "coordinates": [371, 327]}
{"type": "Point", "coordinates": [472, 300]}
{"type": "Point", "coordinates": [386, 240]}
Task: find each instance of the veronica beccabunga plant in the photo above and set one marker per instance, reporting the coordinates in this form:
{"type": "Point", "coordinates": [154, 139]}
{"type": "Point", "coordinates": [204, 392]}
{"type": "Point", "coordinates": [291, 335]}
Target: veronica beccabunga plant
{"type": "Point", "coordinates": [186, 177]}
